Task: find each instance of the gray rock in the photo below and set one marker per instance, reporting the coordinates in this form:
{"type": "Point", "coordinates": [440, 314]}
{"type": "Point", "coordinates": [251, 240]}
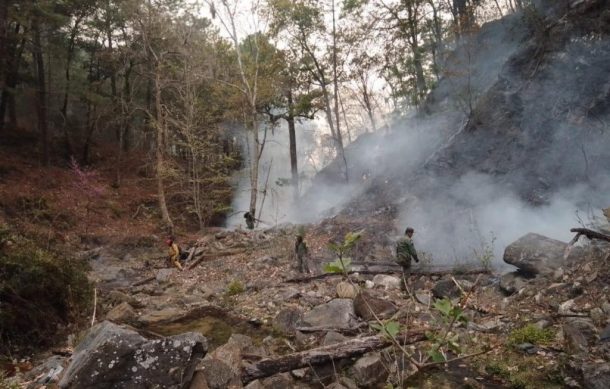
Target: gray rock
{"type": "Point", "coordinates": [423, 297]}
{"type": "Point", "coordinates": [367, 306]}
{"type": "Point", "coordinates": [337, 313]}
{"type": "Point", "coordinates": [199, 381]}
{"type": "Point", "coordinates": [287, 320]}
{"type": "Point", "coordinates": [605, 334]}
{"type": "Point", "coordinates": [288, 294]}
{"type": "Point", "coordinates": [256, 384]}
{"type": "Point", "coordinates": [122, 313]}
{"type": "Point", "coordinates": [486, 326]}
{"type": "Point", "coordinates": [598, 316]}
{"type": "Point", "coordinates": [388, 282]}
{"type": "Point", "coordinates": [511, 283]}
{"type": "Point", "coordinates": [579, 334]}
{"type": "Point", "coordinates": [111, 356]}
{"type": "Point", "coordinates": [116, 297]}
{"type": "Point", "coordinates": [333, 337]}
{"type": "Point", "coordinates": [597, 376]}
{"type": "Point", "coordinates": [606, 307]}
{"type": "Point", "coordinates": [164, 275]}
{"type": "Point", "coordinates": [218, 374]}
{"type": "Point", "coordinates": [536, 254]}
{"type": "Point", "coordinates": [448, 288]}
{"type": "Point", "coordinates": [48, 372]}
{"type": "Point", "coordinates": [369, 371]}
{"type": "Point", "coordinates": [278, 381]}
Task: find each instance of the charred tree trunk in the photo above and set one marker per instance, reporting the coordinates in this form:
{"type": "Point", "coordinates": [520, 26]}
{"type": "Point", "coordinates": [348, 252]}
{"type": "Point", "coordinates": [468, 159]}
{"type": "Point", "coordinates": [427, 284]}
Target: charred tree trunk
{"type": "Point", "coordinates": [293, 146]}
{"type": "Point", "coordinates": [41, 101]}
{"type": "Point", "coordinates": [64, 106]}
{"type": "Point", "coordinates": [3, 45]}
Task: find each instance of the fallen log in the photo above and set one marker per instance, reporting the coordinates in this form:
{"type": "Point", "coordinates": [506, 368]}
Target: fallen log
{"type": "Point", "coordinates": [351, 348]}
{"type": "Point", "coordinates": [215, 255]}
{"type": "Point", "coordinates": [144, 281]}
{"type": "Point", "coordinates": [388, 271]}
{"type": "Point", "coordinates": [590, 234]}
{"type": "Point", "coordinates": [349, 331]}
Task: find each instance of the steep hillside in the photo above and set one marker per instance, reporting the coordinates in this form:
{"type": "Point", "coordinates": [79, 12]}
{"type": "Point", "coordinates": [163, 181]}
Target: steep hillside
{"type": "Point", "coordinates": [517, 140]}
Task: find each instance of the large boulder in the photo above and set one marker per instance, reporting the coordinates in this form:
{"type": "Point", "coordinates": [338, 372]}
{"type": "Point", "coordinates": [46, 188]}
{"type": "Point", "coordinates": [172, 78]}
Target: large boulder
{"type": "Point", "coordinates": [536, 254]}
{"type": "Point", "coordinates": [287, 320]}
{"type": "Point", "coordinates": [112, 356]}
{"type": "Point", "coordinates": [337, 313]}
{"type": "Point", "coordinates": [367, 307]}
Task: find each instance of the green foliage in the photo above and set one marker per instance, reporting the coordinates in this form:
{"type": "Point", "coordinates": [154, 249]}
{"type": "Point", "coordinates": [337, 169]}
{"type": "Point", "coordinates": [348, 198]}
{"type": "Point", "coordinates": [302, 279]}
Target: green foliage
{"type": "Point", "coordinates": [5, 383]}
{"type": "Point", "coordinates": [235, 287]}
{"type": "Point", "coordinates": [39, 291]}
{"type": "Point", "coordinates": [531, 334]}
{"type": "Point", "coordinates": [341, 265]}
{"type": "Point", "coordinates": [449, 312]}
{"type": "Point", "coordinates": [388, 329]}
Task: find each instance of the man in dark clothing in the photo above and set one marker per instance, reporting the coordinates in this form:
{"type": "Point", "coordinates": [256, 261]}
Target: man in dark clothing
{"type": "Point", "coordinates": [405, 250]}
{"type": "Point", "coordinates": [300, 250]}
{"type": "Point", "coordinates": [249, 220]}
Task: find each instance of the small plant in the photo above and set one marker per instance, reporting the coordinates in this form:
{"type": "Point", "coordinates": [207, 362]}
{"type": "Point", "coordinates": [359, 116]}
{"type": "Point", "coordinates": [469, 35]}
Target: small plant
{"type": "Point", "coordinates": [6, 383]}
{"type": "Point", "coordinates": [341, 265]}
{"type": "Point", "coordinates": [450, 315]}
{"type": "Point", "coordinates": [485, 254]}
{"type": "Point", "coordinates": [388, 329]}
{"type": "Point", "coordinates": [235, 287]}
{"type": "Point", "coordinates": [531, 334]}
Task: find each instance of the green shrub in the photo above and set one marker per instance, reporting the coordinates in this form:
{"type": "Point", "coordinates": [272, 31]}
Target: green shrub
{"type": "Point", "coordinates": [39, 292]}
{"type": "Point", "coordinates": [531, 334]}
{"type": "Point", "coordinates": [235, 287]}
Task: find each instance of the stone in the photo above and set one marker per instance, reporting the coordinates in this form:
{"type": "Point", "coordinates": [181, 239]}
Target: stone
{"type": "Point", "coordinates": [288, 294]}
{"type": "Point", "coordinates": [536, 254]}
{"type": "Point", "coordinates": [116, 297]}
{"type": "Point", "coordinates": [388, 282]}
{"type": "Point", "coordinates": [48, 372]}
{"type": "Point", "coordinates": [606, 308]}
{"type": "Point", "coordinates": [278, 381]}
{"type": "Point", "coordinates": [369, 371]}
{"type": "Point", "coordinates": [527, 348]}
{"type": "Point", "coordinates": [164, 275]}
{"type": "Point", "coordinates": [114, 356]}
{"type": "Point", "coordinates": [345, 290]}
{"type": "Point", "coordinates": [337, 313]}
{"type": "Point", "coordinates": [369, 284]}
{"type": "Point", "coordinates": [448, 288]}
{"type": "Point", "coordinates": [423, 297]}
{"type": "Point", "coordinates": [122, 313]}
{"type": "Point", "coordinates": [218, 375]}
{"type": "Point", "coordinates": [365, 305]}
{"type": "Point", "coordinates": [486, 326]}
{"type": "Point", "coordinates": [230, 354]}
{"type": "Point", "coordinates": [333, 337]}
{"type": "Point", "coordinates": [199, 381]}
{"type": "Point", "coordinates": [511, 283]}
{"type": "Point", "coordinates": [579, 333]}
{"type": "Point", "coordinates": [598, 316]}
{"type": "Point", "coordinates": [287, 320]}
{"type": "Point", "coordinates": [596, 376]}
{"type": "Point", "coordinates": [605, 334]}
{"type": "Point", "coordinates": [256, 384]}
{"type": "Point", "coordinates": [542, 324]}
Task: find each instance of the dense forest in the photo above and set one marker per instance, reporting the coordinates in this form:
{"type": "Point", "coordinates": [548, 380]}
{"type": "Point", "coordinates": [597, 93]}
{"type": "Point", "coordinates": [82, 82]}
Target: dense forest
{"type": "Point", "coordinates": [196, 86]}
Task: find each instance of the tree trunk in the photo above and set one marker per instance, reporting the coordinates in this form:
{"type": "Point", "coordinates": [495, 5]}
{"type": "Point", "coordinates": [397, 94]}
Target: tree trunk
{"type": "Point", "coordinates": [293, 147]}
{"type": "Point", "coordinates": [255, 155]}
{"type": "Point", "coordinates": [159, 151]}
{"type": "Point", "coordinates": [41, 101]}
{"type": "Point", "coordinates": [336, 98]}
{"type": "Point", "coordinates": [322, 355]}
{"type": "Point", "coordinates": [3, 45]}
{"type": "Point", "coordinates": [64, 106]}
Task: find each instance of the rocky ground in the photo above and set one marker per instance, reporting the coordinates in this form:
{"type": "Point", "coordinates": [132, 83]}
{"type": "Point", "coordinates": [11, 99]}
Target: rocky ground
{"type": "Point", "coordinates": [240, 306]}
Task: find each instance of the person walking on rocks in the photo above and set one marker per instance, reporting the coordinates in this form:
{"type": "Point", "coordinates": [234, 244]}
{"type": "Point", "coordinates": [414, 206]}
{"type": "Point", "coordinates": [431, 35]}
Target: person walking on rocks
{"type": "Point", "coordinates": [301, 251]}
{"type": "Point", "coordinates": [405, 251]}
{"type": "Point", "coordinates": [174, 253]}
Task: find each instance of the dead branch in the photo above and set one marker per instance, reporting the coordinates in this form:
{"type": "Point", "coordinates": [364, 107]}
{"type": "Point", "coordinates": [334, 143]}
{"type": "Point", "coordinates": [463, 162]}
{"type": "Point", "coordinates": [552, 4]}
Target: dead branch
{"type": "Point", "coordinates": [144, 281]}
{"type": "Point", "coordinates": [351, 330]}
{"type": "Point", "coordinates": [386, 271]}
{"type": "Point", "coordinates": [321, 355]}
{"type": "Point", "coordinates": [590, 234]}
{"type": "Point", "coordinates": [215, 255]}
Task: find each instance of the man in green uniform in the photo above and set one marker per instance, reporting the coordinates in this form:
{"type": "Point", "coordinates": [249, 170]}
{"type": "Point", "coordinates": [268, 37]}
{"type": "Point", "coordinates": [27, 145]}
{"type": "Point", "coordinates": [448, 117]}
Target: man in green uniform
{"type": "Point", "coordinates": [300, 250]}
{"type": "Point", "coordinates": [249, 220]}
{"type": "Point", "coordinates": [405, 250]}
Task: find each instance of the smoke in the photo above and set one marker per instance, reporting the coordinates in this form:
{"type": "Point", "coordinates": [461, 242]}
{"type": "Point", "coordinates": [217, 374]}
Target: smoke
{"type": "Point", "coordinates": [532, 155]}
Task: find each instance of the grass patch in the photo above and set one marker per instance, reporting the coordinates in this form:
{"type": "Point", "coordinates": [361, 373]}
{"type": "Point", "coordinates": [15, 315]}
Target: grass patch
{"type": "Point", "coordinates": [40, 293]}
{"type": "Point", "coordinates": [531, 334]}
{"type": "Point", "coordinates": [235, 287]}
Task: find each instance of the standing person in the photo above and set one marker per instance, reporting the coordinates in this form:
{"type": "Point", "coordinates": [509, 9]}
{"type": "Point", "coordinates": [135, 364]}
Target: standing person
{"type": "Point", "coordinates": [300, 250]}
{"type": "Point", "coordinates": [249, 220]}
{"type": "Point", "coordinates": [405, 251]}
{"type": "Point", "coordinates": [174, 253]}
